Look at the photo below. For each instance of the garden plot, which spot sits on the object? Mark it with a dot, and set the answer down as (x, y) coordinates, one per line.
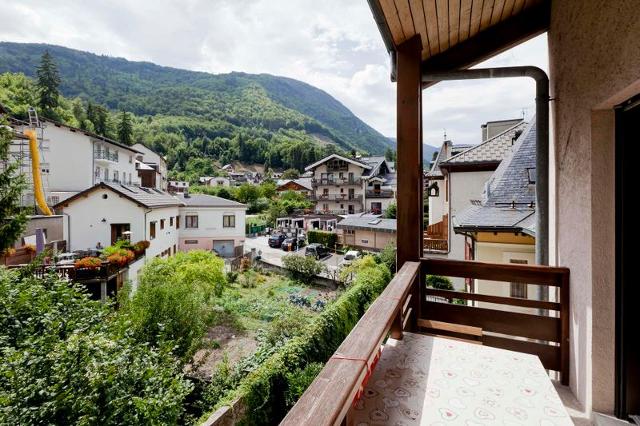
(255, 308)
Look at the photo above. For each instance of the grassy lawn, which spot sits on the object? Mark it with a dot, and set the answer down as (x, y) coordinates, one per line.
(254, 308)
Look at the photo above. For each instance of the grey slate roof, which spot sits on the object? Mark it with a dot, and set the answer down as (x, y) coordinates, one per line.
(149, 197)
(204, 200)
(368, 223)
(491, 150)
(510, 183)
(447, 150)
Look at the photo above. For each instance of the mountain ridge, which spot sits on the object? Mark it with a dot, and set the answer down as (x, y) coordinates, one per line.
(145, 88)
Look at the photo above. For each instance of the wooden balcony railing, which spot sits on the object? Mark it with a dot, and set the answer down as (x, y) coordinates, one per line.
(340, 383)
(439, 230)
(501, 324)
(329, 397)
(435, 245)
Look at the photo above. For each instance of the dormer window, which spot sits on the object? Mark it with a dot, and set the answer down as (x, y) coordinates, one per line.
(433, 190)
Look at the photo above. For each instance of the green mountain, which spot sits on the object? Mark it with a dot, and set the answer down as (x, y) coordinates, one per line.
(201, 104)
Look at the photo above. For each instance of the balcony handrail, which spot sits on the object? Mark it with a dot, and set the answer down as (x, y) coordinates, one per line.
(325, 403)
(548, 335)
(340, 383)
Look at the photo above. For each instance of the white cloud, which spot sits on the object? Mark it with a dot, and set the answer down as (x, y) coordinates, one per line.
(332, 44)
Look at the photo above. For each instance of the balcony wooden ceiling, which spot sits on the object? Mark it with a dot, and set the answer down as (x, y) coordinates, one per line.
(459, 33)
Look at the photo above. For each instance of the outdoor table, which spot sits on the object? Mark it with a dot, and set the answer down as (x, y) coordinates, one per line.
(426, 380)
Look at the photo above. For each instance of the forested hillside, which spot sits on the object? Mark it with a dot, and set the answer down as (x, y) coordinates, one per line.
(178, 110)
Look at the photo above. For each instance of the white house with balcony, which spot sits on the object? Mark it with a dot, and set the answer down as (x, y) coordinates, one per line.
(72, 160)
(211, 223)
(344, 185)
(107, 212)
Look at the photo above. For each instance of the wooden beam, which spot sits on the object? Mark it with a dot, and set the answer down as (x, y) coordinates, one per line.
(409, 128)
(492, 41)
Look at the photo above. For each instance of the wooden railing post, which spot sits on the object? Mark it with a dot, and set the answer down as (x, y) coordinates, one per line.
(409, 128)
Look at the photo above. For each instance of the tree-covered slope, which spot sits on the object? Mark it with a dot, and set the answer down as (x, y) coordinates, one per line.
(264, 102)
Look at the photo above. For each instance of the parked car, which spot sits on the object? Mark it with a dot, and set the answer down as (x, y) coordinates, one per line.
(290, 244)
(349, 257)
(276, 240)
(316, 250)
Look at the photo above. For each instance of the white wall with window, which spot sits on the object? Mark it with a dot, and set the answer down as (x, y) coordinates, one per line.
(212, 228)
(506, 253)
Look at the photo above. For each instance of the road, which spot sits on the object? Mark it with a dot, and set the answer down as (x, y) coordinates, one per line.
(275, 255)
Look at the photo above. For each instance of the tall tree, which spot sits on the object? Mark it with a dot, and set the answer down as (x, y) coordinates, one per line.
(390, 154)
(125, 129)
(12, 218)
(48, 85)
(100, 120)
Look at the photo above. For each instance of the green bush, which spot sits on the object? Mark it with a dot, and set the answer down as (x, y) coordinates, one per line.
(171, 306)
(302, 268)
(441, 283)
(268, 389)
(388, 256)
(327, 239)
(299, 380)
(64, 361)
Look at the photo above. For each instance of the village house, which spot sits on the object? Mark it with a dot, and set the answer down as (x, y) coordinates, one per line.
(366, 232)
(457, 181)
(301, 185)
(211, 223)
(501, 227)
(178, 186)
(343, 185)
(214, 181)
(108, 212)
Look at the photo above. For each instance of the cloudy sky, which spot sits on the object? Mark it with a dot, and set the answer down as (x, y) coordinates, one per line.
(332, 44)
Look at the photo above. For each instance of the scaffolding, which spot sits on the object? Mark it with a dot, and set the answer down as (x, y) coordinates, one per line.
(20, 154)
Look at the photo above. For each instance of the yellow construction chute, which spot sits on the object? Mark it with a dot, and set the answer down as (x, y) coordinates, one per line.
(38, 192)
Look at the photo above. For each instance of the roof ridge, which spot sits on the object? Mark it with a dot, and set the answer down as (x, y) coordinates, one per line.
(478, 146)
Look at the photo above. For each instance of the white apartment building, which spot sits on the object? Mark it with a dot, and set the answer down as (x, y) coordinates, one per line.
(72, 160)
(211, 223)
(107, 212)
(343, 185)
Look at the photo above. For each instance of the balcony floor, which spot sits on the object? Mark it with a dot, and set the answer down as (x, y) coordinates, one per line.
(425, 380)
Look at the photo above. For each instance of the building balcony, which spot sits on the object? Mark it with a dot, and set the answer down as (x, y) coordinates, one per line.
(104, 156)
(379, 193)
(337, 198)
(336, 181)
(435, 238)
(449, 345)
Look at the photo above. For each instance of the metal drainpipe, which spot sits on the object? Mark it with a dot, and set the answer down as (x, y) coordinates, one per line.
(542, 140)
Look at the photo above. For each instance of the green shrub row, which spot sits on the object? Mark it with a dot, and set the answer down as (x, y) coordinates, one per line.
(270, 390)
(328, 239)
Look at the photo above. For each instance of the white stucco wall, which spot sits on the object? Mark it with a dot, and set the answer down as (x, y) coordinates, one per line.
(210, 227)
(594, 58)
(86, 227)
(503, 253)
(463, 187)
(436, 204)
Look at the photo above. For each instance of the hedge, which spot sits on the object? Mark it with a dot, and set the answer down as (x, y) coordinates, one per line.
(265, 392)
(327, 239)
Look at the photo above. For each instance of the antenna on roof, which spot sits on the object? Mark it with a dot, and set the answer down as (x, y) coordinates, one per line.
(445, 134)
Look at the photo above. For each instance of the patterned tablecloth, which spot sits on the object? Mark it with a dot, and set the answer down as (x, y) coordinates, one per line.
(424, 380)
